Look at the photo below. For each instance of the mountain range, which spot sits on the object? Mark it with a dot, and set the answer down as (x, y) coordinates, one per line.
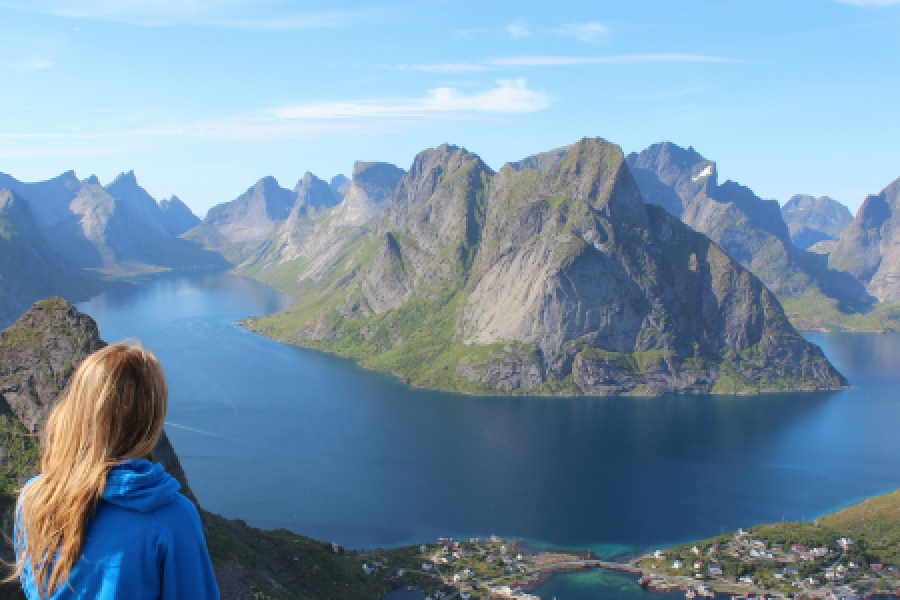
(65, 235)
(549, 276)
(293, 238)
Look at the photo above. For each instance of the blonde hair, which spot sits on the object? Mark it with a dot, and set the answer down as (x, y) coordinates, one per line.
(114, 410)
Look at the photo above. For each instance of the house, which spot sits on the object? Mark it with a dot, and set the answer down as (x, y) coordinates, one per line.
(779, 575)
(742, 532)
(799, 548)
(714, 548)
(845, 542)
(659, 555)
(876, 566)
(695, 550)
(677, 565)
(698, 564)
(820, 551)
(715, 570)
(812, 581)
(735, 554)
(427, 566)
(369, 569)
(792, 571)
(777, 548)
(748, 579)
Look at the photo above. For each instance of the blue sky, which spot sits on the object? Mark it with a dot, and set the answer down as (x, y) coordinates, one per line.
(203, 97)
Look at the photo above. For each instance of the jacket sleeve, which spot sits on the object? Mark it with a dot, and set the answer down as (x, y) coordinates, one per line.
(186, 568)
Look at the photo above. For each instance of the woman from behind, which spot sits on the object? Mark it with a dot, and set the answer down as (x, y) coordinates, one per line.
(102, 521)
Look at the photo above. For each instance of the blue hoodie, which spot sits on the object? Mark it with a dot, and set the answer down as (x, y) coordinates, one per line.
(144, 541)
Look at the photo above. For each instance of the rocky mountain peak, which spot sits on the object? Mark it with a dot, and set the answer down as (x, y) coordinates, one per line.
(339, 184)
(92, 180)
(379, 174)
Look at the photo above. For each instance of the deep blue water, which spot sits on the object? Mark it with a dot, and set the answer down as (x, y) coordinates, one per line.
(287, 437)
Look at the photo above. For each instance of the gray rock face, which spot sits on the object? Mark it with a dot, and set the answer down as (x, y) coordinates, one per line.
(749, 229)
(869, 248)
(557, 273)
(177, 217)
(254, 214)
(368, 194)
(38, 355)
(339, 184)
(812, 220)
(29, 268)
(313, 196)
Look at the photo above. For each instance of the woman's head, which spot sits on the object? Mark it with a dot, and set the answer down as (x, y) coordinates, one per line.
(113, 410)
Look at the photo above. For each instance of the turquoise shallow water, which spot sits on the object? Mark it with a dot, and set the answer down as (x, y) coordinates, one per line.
(287, 437)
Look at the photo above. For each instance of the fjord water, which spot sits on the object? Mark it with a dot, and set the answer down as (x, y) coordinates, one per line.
(282, 436)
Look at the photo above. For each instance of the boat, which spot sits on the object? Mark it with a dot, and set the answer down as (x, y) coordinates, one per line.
(690, 593)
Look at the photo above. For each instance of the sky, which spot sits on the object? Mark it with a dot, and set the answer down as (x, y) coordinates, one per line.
(202, 98)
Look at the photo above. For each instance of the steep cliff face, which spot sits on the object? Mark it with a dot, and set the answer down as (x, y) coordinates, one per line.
(753, 232)
(38, 355)
(176, 216)
(869, 248)
(553, 279)
(368, 193)
(29, 268)
(812, 220)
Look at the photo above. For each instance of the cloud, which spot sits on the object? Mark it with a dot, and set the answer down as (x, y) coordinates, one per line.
(510, 96)
(507, 97)
(443, 68)
(249, 14)
(870, 2)
(493, 64)
(518, 29)
(619, 59)
(37, 63)
(586, 32)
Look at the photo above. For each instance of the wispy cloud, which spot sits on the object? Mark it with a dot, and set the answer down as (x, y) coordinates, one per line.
(510, 96)
(443, 67)
(506, 98)
(586, 32)
(518, 29)
(249, 14)
(562, 61)
(37, 63)
(619, 59)
(870, 2)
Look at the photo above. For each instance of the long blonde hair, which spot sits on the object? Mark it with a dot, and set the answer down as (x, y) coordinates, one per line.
(114, 410)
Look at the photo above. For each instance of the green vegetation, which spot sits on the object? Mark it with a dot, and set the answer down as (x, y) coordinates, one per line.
(815, 310)
(869, 563)
(283, 565)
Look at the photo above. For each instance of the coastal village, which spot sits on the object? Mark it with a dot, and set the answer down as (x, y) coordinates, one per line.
(476, 568)
(786, 560)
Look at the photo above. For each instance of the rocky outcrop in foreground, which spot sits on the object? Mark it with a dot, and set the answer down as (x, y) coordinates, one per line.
(37, 357)
(550, 276)
(39, 354)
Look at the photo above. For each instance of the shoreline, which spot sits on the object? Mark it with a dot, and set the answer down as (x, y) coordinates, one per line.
(405, 380)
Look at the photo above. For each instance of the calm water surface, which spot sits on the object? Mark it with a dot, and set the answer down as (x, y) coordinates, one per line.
(287, 437)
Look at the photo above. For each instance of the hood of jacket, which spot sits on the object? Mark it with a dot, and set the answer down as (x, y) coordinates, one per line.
(140, 485)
